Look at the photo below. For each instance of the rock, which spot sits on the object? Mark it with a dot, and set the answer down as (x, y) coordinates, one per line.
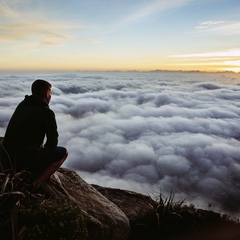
(139, 209)
(107, 221)
(114, 213)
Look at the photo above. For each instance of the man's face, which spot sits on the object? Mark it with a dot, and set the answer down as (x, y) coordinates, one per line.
(49, 95)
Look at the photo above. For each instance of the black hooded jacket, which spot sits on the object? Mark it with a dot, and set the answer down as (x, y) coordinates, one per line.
(31, 122)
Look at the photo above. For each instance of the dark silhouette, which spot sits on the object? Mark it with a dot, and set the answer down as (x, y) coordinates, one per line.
(31, 123)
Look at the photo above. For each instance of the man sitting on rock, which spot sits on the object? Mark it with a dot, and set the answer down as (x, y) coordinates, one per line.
(31, 122)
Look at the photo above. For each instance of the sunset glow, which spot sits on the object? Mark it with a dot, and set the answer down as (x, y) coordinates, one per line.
(120, 35)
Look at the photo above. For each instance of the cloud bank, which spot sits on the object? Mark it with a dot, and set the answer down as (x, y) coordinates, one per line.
(147, 132)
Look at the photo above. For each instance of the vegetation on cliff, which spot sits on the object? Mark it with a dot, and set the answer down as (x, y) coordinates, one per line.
(26, 213)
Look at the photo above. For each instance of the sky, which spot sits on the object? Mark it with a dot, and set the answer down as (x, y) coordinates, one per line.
(147, 132)
(120, 35)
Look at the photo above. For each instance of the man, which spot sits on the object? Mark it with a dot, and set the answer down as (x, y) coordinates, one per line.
(31, 122)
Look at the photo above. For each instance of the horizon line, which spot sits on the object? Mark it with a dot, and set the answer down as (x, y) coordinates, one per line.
(116, 70)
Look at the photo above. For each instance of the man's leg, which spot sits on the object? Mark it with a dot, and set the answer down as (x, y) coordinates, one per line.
(49, 170)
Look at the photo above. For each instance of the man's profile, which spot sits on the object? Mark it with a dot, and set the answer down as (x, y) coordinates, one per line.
(30, 124)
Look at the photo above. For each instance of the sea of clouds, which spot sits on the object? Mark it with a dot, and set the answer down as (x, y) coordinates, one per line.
(150, 132)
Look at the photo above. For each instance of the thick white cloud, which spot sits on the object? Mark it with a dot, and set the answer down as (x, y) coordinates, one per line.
(148, 132)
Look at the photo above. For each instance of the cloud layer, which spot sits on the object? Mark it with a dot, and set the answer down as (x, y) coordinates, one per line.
(147, 132)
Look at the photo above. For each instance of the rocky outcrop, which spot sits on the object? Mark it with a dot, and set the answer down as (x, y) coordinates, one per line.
(106, 220)
(139, 209)
(113, 213)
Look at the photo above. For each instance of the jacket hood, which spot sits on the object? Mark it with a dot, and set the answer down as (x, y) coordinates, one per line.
(34, 99)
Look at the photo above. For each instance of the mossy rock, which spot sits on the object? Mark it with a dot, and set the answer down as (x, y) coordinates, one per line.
(53, 220)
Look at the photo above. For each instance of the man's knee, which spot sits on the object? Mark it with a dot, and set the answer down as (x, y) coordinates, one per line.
(61, 153)
(63, 157)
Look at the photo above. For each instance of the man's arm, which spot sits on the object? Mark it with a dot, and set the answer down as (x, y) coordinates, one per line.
(51, 130)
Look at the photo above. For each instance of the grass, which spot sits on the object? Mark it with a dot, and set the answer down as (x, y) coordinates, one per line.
(26, 214)
(14, 189)
(179, 219)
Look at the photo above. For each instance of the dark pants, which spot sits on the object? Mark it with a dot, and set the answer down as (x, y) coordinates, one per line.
(37, 161)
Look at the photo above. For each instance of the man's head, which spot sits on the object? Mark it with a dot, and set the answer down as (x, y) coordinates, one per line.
(42, 88)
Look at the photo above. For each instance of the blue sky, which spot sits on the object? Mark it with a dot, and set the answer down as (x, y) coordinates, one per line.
(120, 35)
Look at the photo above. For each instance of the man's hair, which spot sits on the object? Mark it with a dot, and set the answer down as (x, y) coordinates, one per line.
(40, 87)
